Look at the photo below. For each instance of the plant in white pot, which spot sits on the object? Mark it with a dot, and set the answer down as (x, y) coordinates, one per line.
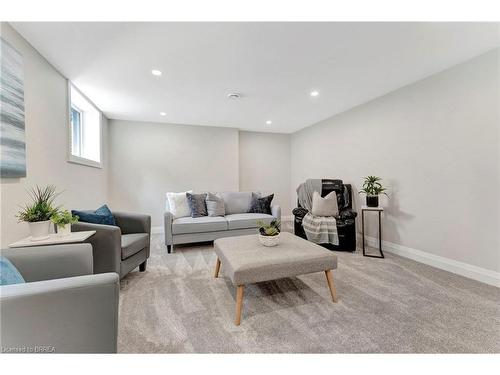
(63, 220)
(38, 213)
(372, 188)
(269, 234)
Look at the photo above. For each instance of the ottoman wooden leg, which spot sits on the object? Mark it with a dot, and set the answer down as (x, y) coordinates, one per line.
(239, 303)
(217, 268)
(331, 285)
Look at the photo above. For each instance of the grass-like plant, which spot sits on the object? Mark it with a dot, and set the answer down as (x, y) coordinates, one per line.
(372, 186)
(41, 207)
(63, 218)
(271, 229)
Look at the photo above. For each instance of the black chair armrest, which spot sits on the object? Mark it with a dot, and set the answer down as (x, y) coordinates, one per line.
(346, 217)
(299, 212)
(347, 214)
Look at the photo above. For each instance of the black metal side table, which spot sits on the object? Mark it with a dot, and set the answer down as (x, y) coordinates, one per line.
(379, 210)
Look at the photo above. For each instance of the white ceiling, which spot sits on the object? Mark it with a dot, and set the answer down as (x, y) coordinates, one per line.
(273, 65)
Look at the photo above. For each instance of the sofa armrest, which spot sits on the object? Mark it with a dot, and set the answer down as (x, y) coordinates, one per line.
(168, 218)
(106, 246)
(132, 222)
(71, 315)
(39, 263)
(276, 212)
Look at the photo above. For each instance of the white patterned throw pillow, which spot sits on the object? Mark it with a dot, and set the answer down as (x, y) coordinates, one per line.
(326, 206)
(178, 204)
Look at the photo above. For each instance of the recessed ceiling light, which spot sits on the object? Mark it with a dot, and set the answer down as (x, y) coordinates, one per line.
(269, 122)
(163, 114)
(234, 95)
(156, 72)
(314, 93)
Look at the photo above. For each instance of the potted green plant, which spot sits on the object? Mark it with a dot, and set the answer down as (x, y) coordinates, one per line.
(372, 187)
(38, 212)
(269, 234)
(63, 220)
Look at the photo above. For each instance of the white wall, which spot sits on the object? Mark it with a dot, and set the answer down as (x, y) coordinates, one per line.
(47, 128)
(149, 159)
(265, 166)
(436, 144)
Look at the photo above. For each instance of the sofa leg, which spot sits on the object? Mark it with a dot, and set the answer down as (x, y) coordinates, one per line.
(169, 249)
(142, 266)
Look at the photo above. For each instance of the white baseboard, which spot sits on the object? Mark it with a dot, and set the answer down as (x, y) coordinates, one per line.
(460, 268)
(157, 230)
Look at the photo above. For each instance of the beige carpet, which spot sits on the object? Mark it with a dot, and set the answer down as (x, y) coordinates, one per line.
(385, 305)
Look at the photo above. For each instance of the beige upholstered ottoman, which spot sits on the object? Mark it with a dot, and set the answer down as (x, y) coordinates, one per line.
(246, 261)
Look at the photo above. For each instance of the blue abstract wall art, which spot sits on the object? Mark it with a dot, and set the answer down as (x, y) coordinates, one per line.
(12, 133)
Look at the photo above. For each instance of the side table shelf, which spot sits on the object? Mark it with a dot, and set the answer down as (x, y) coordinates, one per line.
(54, 239)
(379, 210)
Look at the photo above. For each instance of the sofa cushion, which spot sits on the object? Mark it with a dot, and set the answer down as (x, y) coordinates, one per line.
(184, 225)
(237, 202)
(133, 243)
(247, 220)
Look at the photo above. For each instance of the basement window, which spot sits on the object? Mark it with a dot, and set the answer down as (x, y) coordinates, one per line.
(84, 130)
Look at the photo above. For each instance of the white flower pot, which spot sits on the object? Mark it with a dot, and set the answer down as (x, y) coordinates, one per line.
(269, 241)
(40, 230)
(63, 230)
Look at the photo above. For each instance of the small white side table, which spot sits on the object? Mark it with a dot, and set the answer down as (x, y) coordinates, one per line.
(379, 210)
(54, 239)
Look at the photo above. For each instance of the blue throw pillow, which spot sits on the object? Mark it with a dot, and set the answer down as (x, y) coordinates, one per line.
(102, 215)
(9, 273)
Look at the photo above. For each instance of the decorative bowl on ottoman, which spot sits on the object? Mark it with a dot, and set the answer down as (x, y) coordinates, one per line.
(269, 234)
(269, 241)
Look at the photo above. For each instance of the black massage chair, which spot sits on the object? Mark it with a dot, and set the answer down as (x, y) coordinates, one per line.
(346, 223)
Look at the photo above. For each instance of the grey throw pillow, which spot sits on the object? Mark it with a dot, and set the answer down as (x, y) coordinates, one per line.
(261, 205)
(326, 206)
(197, 204)
(215, 205)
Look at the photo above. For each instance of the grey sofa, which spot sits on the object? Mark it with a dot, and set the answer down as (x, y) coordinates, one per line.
(236, 222)
(119, 248)
(62, 307)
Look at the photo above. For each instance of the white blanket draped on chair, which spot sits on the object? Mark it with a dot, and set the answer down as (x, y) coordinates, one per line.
(318, 229)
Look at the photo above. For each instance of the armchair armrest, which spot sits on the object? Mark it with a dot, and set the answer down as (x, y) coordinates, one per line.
(346, 217)
(106, 246)
(347, 214)
(168, 218)
(71, 315)
(132, 222)
(299, 213)
(39, 263)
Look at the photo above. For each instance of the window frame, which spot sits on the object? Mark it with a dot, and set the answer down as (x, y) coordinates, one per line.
(80, 145)
(78, 159)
